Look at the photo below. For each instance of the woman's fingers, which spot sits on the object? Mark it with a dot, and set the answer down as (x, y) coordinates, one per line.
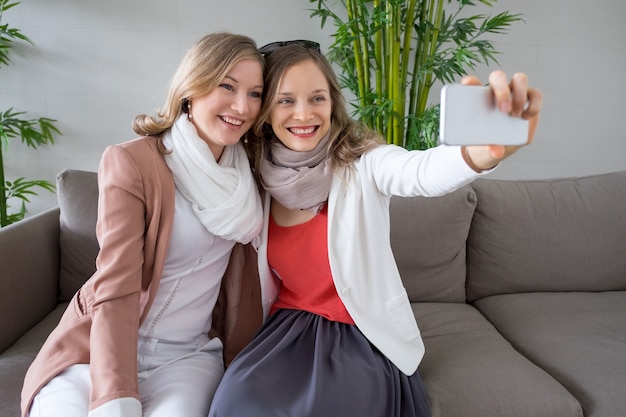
(519, 89)
(501, 90)
(535, 102)
(470, 80)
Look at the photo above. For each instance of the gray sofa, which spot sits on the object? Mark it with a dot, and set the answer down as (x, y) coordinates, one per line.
(519, 289)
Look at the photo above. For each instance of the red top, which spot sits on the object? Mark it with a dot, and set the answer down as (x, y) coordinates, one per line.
(299, 256)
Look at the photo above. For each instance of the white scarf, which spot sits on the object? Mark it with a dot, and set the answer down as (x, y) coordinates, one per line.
(223, 195)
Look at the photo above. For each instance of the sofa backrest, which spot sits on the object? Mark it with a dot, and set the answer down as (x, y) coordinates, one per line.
(490, 237)
(29, 267)
(428, 238)
(548, 235)
(77, 192)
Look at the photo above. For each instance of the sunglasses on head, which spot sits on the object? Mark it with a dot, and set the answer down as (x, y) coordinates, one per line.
(266, 50)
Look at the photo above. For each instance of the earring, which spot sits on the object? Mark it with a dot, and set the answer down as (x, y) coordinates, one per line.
(187, 108)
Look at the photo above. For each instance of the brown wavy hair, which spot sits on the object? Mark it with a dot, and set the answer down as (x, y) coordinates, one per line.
(349, 138)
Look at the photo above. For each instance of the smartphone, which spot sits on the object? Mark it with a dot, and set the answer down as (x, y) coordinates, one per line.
(469, 116)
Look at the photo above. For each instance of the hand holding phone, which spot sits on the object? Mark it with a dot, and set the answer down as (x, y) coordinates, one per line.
(469, 116)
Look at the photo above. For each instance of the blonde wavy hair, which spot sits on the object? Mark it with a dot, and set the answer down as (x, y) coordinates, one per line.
(202, 69)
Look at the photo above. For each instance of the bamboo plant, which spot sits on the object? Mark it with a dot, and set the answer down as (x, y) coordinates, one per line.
(33, 132)
(391, 52)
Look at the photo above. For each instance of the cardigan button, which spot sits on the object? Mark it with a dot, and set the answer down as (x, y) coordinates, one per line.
(345, 291)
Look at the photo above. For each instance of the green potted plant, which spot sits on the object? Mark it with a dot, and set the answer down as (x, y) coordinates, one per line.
(391, 52)
(32, 132)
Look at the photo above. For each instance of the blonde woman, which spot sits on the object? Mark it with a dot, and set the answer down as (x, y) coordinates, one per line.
(176, 206)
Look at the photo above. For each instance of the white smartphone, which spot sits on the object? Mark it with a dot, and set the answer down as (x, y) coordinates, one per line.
(469, 116)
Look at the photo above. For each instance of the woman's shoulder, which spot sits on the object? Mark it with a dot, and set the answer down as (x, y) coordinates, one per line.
(142, 155)
(140, 144)
(139, 149)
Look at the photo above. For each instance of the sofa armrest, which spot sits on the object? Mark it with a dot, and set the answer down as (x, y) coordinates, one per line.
(29, 281)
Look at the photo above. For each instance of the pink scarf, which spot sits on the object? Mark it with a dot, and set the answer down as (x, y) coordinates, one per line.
(297, 180)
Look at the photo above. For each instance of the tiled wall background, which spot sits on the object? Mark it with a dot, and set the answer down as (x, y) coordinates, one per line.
(98, 63)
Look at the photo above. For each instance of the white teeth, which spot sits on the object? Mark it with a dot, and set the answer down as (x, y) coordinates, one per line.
(299, 131)
(232, 121)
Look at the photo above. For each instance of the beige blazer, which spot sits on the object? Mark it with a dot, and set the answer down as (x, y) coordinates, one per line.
(100, 325)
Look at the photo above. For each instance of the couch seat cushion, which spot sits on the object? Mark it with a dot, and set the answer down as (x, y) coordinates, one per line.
(14, 362)
(579, 338)
(470, 370)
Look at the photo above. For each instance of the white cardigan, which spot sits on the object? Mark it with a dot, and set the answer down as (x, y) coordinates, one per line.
(361, 260)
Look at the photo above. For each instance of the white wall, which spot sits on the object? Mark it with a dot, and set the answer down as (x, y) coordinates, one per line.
(98, 63)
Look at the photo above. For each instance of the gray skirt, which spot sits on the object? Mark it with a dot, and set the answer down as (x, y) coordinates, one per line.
(301, 364)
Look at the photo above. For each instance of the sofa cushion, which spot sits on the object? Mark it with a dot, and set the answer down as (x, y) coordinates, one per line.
(29, 277)
(470, 370)
(579, 338)
(428, 237)
(548, 235)
(77, 192)
(14, 362)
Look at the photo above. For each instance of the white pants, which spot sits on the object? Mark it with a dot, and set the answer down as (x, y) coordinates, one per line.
(168, 387)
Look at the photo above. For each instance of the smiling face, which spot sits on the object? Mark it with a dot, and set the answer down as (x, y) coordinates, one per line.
(300, 116)
(223, 115)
